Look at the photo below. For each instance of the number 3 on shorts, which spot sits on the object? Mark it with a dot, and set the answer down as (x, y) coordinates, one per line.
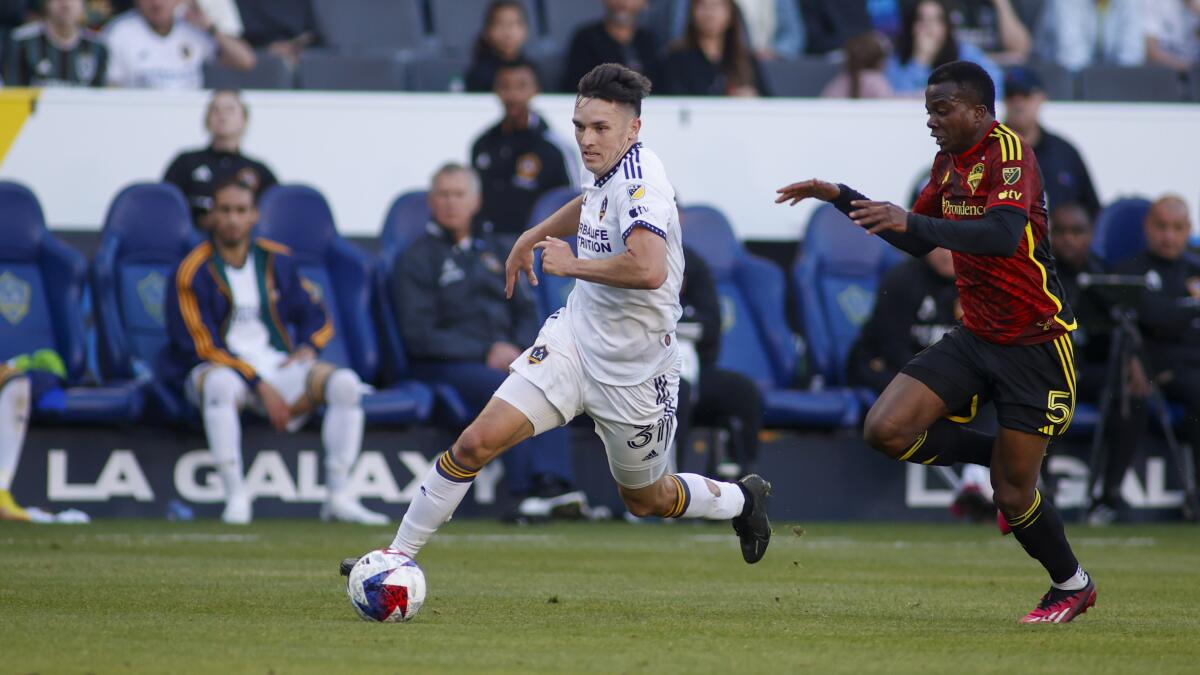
(1058, 406)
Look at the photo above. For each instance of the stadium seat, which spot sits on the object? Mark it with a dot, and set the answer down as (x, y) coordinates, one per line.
(805, 77)
(382, 26)
(41, 291)
(1119, 229)
(551, 292)
(405, 221)
(321, 69)
(1058, 82)
(147, 231)
(1123, 83)
(437, 73)
(456, 23)
(836, 279)
(756, 339)
(341, 275)
(564, 18)
(269, 72)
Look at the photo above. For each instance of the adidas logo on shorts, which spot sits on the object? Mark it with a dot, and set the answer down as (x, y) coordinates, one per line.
(650, 456)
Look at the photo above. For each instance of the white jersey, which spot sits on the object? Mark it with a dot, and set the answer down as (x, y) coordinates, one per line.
(140, 57)
(624, 336)
(247, 336)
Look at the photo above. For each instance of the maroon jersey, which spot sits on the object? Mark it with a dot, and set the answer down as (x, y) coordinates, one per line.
(1010, 301)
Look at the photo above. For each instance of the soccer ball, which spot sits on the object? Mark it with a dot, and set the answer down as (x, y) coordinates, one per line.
(386, 585)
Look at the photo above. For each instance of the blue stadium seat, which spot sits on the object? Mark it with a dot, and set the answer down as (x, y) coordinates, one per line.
(564, 17)
(836, 279)
(330, 71)
(147, 231)
(552, 292)
(756, 340)
(269, 72)
(437, 73)
(299, 217)
(406, 220)
(41, 291)
(380, 26)
(1119, 229)
(805, 77)
(456, 23)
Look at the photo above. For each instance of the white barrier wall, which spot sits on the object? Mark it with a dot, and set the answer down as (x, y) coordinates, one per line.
(79, 148)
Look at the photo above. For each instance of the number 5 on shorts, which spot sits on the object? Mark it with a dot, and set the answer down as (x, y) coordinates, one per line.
(1058, 405)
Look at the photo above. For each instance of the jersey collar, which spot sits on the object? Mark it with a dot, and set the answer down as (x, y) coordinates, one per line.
(983, 140)
(601, 180)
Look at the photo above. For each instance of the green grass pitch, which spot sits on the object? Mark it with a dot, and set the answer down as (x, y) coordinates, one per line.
(157, 597)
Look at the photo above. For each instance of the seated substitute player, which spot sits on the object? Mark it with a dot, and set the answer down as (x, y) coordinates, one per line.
(15, 402)
(237, 302)
(611, 352)
(983, 202)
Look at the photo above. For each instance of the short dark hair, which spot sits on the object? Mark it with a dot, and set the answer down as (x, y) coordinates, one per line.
(234, 181)
(519, 64)
(615, 83)
(969, 76)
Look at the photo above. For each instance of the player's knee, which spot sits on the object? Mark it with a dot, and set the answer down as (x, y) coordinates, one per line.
(640, 506)
(474, 449)
(1012, 499)
(885, 433)
(343, 388)
(222, 387)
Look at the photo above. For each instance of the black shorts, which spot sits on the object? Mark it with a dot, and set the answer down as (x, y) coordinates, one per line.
(1033, 386)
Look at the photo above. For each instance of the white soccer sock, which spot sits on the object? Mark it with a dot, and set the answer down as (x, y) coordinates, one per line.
(700, 497)
(441, 492)
(342, 429)
(14, 420)
(223, 393)
(1075, 583)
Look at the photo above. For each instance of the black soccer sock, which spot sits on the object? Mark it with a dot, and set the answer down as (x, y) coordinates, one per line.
(1040, 531)
(947, 443)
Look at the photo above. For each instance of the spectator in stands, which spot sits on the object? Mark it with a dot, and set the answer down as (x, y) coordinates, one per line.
(927, 41)
(195, 172)
(1172, 33)
(1078, 33)
(862, 74)
(459, 329)
(774, 27)
(224, 15)
(284, 28)
(502, 41)
(518, 159)
(57, 51)
(1000, 28)
(1064, 173)
(917, 299)
(1169, 316)
(152, 47)
(829, 23)
(713, 58)
(706, 391)
(615, 39)
(15, 402)
(226, 353)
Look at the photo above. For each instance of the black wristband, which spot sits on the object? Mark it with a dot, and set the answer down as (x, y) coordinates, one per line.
(846, 194)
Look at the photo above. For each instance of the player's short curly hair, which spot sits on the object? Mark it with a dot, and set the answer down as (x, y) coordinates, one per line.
(969, 76)
(615, 83)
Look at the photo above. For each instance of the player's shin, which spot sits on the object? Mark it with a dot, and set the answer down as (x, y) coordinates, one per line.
(14, 420)
(342, 429)
(700, 497)
(946, 443)
(441, 492)
(1040, 531)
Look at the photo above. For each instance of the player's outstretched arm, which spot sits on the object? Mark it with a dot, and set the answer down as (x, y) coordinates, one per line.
(842, 197)
(642, 266)
(562, 223)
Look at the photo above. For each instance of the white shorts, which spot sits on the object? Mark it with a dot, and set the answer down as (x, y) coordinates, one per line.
(636, 423)
(291, 381)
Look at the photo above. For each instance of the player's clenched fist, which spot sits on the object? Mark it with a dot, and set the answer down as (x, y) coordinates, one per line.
(557, 257)
(819, 189)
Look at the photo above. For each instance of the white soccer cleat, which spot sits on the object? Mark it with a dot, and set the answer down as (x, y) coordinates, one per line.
(238, 509)
(350, 510)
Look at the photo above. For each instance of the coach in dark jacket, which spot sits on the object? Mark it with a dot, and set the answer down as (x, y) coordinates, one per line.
(459, 329)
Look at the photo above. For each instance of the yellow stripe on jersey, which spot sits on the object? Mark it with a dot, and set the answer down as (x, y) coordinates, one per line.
(1015, 139)
(1045, 280)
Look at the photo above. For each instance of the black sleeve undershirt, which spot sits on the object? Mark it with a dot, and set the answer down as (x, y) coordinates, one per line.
(997, 233)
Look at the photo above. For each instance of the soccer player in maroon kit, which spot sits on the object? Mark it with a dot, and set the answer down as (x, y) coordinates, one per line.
(984, 201)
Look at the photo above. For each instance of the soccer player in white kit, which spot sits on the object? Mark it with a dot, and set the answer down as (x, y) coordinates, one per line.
(611, 352)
